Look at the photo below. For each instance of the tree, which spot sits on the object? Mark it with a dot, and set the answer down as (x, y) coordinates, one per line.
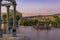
(57, 20)
(4, 21)
(18, 16)
(28, 22)
(4, 17)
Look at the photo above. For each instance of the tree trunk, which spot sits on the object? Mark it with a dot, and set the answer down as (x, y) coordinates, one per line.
(4, 28)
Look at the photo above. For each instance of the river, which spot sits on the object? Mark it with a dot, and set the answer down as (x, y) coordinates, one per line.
(31, 33)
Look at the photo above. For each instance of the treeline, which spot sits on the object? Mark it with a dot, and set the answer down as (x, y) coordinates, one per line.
(28, 22)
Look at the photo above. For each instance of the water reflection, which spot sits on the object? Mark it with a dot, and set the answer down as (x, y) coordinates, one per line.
(34, 34)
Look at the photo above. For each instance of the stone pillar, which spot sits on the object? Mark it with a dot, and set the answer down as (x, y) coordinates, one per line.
(8, 20)
(14, 22)
(0, 20)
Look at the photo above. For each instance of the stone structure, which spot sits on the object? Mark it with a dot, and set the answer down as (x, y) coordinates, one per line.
(13, 3)
(9, 36)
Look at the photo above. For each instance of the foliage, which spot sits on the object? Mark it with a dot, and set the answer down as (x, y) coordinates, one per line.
(57, 21)
(4, 17)
(27, 22)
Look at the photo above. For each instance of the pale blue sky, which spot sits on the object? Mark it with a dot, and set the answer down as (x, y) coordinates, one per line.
(38, 7)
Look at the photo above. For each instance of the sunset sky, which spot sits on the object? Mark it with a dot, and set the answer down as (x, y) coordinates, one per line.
(38, 7)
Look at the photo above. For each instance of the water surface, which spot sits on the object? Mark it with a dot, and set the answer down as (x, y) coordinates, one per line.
(34, 34)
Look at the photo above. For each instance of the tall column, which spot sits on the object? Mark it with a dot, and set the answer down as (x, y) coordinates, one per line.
(8, 20)
(0, 20)
(14, 21)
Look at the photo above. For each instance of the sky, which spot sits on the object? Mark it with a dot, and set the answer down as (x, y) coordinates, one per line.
(38, 7)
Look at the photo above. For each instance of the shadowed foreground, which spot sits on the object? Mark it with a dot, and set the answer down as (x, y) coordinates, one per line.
(33, 34)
